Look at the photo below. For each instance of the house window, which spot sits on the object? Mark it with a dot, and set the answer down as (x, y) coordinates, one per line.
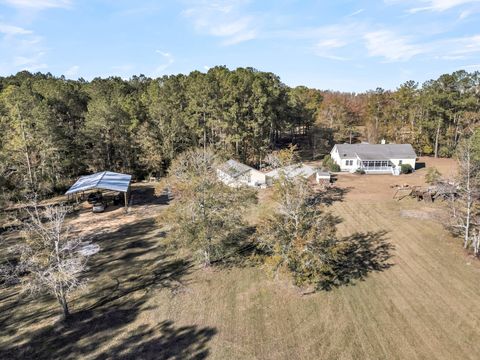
(399, 162)
(349, 162)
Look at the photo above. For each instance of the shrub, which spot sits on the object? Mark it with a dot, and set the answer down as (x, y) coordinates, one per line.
(444, 152)
(427, 149)
(334, 167)
(360, 171)
(406, 168)
(330, 164)
(432, 176)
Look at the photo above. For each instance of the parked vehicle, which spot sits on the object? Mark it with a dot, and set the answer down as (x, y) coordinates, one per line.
(98, 207)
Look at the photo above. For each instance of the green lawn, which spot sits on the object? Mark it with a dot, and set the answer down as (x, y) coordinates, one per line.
(144, 302)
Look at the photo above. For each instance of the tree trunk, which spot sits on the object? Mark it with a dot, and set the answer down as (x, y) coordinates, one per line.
(27, 154)
(469, 202)
(437, 135)
(64, 305)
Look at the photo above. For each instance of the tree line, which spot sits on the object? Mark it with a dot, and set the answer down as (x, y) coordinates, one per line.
(434, 117)
(53, 129)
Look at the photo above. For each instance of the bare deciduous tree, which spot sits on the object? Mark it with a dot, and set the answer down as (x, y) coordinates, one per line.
(51, 259)
(465, 196)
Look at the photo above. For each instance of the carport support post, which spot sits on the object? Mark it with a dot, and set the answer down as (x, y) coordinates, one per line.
(127, 196)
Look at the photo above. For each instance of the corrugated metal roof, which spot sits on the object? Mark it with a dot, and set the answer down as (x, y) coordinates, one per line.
(292, 171)
(235, 168)
(106, 180)
(376, 151)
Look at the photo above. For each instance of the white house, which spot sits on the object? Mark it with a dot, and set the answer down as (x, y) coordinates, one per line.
(373, 158)
(235, 174)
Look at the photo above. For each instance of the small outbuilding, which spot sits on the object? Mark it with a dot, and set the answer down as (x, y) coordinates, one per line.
(292, 171)
(105, 180)
(235, 174)
(323, 176)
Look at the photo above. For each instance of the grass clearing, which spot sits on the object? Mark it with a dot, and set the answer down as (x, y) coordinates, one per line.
(148, 302)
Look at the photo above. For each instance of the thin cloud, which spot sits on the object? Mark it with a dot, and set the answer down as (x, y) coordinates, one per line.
(30, 63)
(168, 60)
(438, 5)
(325, 49)
(38, 4)
(225, 19)
(356, 13)
(390, 46)
(23, 49)
(13, 30)
(72, 71)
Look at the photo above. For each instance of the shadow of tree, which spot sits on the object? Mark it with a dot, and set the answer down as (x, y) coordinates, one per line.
(87, 331)
(184, 342)
(131, 264)
(361, 254)
(84, 332)
(331, 195)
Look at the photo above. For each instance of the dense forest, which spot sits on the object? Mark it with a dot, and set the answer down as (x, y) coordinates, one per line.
(53, 129)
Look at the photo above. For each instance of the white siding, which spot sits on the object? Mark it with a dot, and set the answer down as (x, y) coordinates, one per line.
(252, 178)
(257, 178)
(343, 162)
(335, 156)
(396, 162)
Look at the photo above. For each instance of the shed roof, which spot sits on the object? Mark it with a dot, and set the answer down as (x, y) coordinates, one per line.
(234, 168)
(292, 171)
(106, 180)
(376, 151)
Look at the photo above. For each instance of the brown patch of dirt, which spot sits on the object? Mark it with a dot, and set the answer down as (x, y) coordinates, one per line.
(143, 204)
(372, 188)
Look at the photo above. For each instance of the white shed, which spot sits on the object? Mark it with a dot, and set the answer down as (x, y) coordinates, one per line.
(234, 173)
(323, 176)
(292, 171)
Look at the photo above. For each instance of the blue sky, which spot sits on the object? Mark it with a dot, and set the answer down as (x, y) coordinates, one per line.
(340, 45)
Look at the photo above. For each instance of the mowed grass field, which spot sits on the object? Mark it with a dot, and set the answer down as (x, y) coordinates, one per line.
(146, 302)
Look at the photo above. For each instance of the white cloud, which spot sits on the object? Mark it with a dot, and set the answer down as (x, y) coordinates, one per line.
(440, 5)
(168, 60)
(325, 48)
(392, 47)
(72, 71)
(38, 4)
(13, 30)
(224, 19)
(31, 63)
(356, 13)
(22, 49)
(471, 67)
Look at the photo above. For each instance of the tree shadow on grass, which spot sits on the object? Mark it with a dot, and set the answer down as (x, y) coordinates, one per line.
(130, 265)
(184, 342)
(362, 253)
(87, 331)
(331, 195)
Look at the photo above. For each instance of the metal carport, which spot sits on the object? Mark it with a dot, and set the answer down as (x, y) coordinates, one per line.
(105, 180)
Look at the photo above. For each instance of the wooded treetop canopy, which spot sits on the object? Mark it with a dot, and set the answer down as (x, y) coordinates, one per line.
(106, 180)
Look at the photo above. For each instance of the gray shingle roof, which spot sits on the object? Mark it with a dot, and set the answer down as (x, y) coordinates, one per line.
(234, 168)
(376, 151)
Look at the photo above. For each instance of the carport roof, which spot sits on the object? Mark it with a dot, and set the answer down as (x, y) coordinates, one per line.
(105, 180)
